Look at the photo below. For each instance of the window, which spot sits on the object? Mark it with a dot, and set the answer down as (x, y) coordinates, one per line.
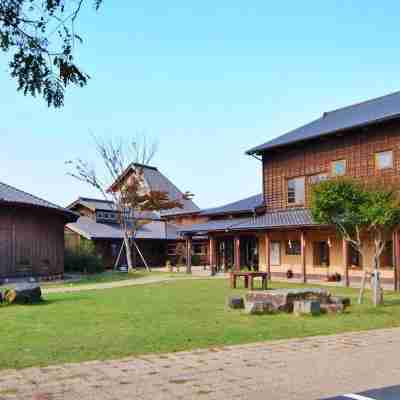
(384, 160)
(354, 257)
(295, 191)
(275, 253)
(199, 249)
(338, 167)
(171, 250)
(386, 258)
(321, 253)
(317, 178)
(293, 247)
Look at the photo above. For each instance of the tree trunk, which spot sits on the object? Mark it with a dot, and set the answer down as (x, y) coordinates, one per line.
(23, 293)
(128, 252)
(362, 288)
(377, 298)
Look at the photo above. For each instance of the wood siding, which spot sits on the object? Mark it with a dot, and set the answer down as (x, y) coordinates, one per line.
(31, 242)
(358, 148)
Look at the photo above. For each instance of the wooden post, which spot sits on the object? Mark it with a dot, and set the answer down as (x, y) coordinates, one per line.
(236, 252)
(211, 251)
(303, 255)
(268, 254)
(396, 256)
(345, 255)
(189, 255)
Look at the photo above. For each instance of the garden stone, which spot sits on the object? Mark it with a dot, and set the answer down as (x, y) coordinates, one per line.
(332, 308)
(235, 302)
(307, 307)
(345, 301)
(283, 299)
(259, 308)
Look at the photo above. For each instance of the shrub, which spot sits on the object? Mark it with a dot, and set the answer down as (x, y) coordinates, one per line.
(83, 259)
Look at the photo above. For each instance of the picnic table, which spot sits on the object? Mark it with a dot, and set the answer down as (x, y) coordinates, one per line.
(249, 279)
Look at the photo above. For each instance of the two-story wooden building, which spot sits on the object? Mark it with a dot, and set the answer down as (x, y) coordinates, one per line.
(360, 141)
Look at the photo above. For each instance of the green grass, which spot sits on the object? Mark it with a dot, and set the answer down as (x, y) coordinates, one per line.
(179, 315)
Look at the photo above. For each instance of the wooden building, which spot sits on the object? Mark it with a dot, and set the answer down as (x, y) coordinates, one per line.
(361, 141)
(31, 235)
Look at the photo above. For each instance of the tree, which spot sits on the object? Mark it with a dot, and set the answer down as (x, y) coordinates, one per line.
(361, 213)
(130, 194)
(40, 37)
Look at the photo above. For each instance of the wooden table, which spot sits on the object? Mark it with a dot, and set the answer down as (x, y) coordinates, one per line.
(249, 279)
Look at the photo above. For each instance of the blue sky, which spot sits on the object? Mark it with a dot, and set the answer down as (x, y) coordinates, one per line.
(206, 81)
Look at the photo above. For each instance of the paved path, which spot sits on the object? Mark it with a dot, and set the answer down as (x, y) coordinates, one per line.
(286, 370)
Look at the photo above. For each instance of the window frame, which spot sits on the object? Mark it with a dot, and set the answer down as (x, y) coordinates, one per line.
(334, 162)
(296, 202)
(376, 157)
(288, 249)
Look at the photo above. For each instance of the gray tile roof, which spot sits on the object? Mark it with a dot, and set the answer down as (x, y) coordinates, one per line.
(106, 205)
(357, 115)
(91, 229)
(155, 180)
(245, 205)
(213, 226)
(12, 195)
(278, 219)
(270, 220)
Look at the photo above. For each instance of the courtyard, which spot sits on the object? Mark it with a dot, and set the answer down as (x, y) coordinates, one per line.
(165, 317)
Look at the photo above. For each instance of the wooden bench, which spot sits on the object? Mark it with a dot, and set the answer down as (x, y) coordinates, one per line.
(249, 279)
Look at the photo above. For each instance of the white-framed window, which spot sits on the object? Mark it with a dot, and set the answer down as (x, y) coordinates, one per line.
(296, 190)
(317, 178)
(338, 167)
(384, 159)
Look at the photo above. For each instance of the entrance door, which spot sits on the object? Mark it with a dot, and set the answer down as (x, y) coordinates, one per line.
(275, 253)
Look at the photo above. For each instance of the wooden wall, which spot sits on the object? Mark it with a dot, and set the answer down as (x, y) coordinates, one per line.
(358, 148)
(31, 242)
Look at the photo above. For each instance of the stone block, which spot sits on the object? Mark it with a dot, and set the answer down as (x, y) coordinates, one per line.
(332, 308)
(345, 301)
(235, 302)
(259, 307)
(307, 307)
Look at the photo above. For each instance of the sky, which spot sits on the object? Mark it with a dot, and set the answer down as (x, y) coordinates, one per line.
(207, 81)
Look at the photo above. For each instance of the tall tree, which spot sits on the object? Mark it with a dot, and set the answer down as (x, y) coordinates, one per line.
(40, 37)
(362, 214)
(130, 194)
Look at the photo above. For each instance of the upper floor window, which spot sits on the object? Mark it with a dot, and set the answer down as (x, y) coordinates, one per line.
(296, 191)
(317, 178)
(384, 159)
(338, 167)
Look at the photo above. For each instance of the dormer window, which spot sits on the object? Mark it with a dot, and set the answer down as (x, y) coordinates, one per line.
(338, 167)
(384, 160)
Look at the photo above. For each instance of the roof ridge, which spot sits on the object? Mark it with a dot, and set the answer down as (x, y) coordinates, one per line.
(360, 103)
(32, 195)
(136, 164)
(94, 199)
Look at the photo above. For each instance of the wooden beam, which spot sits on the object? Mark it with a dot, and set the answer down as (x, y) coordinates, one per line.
(268, 254)
(303, 255)
(345, 261)
(211, 251)
(236, 252)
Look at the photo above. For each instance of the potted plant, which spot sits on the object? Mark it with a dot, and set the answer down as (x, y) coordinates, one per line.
(289, 274)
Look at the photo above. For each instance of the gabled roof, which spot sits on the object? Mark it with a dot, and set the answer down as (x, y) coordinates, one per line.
(271, 220)
(246, 205)
(155, 180)
(13, 196)
(107, 205)
(380, 109)
(91, 229)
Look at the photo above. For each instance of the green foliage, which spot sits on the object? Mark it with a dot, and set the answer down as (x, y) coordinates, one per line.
(348, 205)
(40, 37)
(84, 259)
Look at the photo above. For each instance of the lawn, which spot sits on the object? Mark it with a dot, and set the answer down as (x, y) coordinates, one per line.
(173, 316)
